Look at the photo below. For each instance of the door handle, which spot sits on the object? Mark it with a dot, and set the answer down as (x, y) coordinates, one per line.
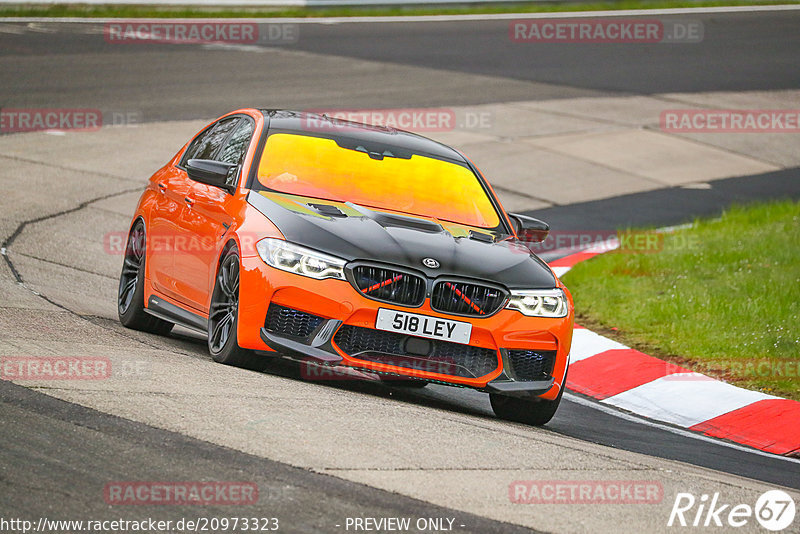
(189, 201)
(162, 187)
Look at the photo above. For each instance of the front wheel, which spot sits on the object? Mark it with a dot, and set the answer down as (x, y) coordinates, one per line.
(223, 317)
(535, 412)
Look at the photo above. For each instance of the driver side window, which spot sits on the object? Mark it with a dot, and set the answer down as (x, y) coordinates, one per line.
(206, 145)
(235, 148)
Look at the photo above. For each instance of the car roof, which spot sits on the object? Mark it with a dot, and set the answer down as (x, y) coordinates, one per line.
(321, 125)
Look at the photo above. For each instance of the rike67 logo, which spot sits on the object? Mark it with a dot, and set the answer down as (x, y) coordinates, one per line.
(774, 510)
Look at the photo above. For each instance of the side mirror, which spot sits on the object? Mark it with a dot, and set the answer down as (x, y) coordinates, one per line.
(528, 229)
(214, 173)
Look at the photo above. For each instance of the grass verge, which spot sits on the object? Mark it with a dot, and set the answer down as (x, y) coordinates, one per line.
(721, 297)
(151, 11)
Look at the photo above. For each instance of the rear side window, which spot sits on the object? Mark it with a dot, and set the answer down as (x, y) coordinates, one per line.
(235, 147)
(206, 145)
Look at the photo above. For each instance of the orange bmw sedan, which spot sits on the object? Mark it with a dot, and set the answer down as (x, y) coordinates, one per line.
(289, 234)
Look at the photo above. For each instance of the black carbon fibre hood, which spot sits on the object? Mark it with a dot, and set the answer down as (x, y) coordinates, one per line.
(356, 233)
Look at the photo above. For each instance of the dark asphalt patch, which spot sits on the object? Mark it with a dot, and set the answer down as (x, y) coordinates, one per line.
(57, 458)
(673, 205)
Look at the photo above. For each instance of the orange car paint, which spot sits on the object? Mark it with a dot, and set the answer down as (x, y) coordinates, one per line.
(166, 217)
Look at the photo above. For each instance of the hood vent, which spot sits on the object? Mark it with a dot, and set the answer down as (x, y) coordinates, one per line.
(398, 221)
(480, 236)
(388, 220)
(327, 209)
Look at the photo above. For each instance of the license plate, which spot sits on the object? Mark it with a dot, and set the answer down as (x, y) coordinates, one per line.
(423, 326)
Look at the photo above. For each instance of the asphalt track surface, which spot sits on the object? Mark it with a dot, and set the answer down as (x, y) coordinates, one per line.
(449, 64)
(452, 63)
(731, 57)
(69, 452)
(671, 206)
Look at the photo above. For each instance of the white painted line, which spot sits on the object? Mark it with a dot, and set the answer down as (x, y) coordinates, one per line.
(594, 248)
(675, 228)
(586, 344)
(561, 271)
(605, 246)
(570, 397)
(438, 18)
(238, 47)
(685, 399)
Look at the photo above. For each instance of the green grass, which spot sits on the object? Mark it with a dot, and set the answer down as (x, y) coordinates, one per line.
(722, 297)
(149, 11)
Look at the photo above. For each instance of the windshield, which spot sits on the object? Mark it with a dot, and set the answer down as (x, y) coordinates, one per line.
(418, 185)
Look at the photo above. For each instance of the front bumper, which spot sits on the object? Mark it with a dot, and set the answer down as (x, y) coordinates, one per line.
(338, 304)
(320, 349)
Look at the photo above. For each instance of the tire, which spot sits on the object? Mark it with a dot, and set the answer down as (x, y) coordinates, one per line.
(130, 296)
(535, 412)
(223, 316)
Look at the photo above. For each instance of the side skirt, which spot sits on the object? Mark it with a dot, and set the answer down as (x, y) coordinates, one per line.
(167, 311)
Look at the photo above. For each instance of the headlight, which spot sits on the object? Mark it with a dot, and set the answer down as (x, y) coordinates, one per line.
(299, 260)
(539, 302)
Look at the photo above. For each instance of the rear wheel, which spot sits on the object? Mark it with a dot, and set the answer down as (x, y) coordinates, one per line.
(130, 297)
(223, 317)
(528, 411)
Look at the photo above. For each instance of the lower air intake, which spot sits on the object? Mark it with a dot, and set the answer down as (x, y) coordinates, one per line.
(529, 365)
(290, 322)
(428, 355)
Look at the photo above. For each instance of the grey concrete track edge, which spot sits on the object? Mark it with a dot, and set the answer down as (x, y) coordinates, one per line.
(438, 18)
